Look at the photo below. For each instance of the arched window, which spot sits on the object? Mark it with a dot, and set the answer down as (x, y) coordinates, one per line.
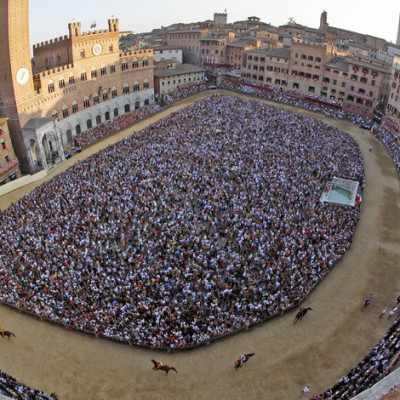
(137, 104)
(127, 108)
(125, 89)
(93, 73)
(136, 86)
(89, 123)
(83, 76)
(50, 86)
(124, 65)
(145, 62)
(96, 98)
(65, 111)
(54, 114)
(112, 68)
(105, 95)
(61, 83)
(78, 129)
(145, 84)
(135, 63)
(98, 119)
(114, 92)
(74, 107)
(86, 102)
(115, 112)
(103, 70)
(146, 102)
(107, 115)
(71, 78)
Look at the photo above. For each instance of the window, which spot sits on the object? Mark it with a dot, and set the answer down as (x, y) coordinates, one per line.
(103, 70)
(74, 107)
(78, 129)
(115, 112)
(127, 108)
(82, 53)
(65, 111)
(107, 115)
(50, 87)
(105, 95)
(135, 64)
(124, 65)
(112, 68)
(71, 80)
(136, 86)
(317, 59)
(83, 76)
(363, 79)
(145, 62)
(146, 84)
(93, 73)
(110, 48)
(343, 84)
(54, 114)
(96, 98)
(86, 102)
(334, 82)
(113, 92)
(125, 89)
(373, 82)
(89, 123)
(98, 119)
(61, 83)
(354, 77)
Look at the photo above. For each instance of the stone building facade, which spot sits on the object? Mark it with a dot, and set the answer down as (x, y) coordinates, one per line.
(81, 80)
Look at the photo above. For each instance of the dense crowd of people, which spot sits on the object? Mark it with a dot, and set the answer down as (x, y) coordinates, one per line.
(375, 366)
(180, 93)
(294, 99)
(184, 287)
(13, 389)
(107, 128)
(207, 222)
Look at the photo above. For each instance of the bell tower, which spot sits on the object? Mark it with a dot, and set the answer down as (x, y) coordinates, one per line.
(16, 80)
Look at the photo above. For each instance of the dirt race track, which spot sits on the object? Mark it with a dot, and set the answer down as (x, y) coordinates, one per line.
(317, 351)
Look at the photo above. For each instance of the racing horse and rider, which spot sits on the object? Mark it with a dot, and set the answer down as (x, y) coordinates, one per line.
(301, 313)
(242, 359)
(159, 366)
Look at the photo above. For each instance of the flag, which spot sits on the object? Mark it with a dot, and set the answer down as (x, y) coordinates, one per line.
(93, 25)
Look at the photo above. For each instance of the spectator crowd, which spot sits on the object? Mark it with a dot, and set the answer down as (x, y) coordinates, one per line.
(207, 222)
(13, 389)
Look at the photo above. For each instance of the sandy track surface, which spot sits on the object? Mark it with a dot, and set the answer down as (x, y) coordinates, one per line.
(317, 351)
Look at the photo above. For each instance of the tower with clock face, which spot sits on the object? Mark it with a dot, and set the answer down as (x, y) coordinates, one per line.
(16, 80)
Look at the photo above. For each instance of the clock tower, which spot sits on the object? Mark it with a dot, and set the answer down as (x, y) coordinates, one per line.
(16, 80)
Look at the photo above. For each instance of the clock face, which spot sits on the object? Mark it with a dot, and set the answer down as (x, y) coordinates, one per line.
(22, 76)
(97, 49)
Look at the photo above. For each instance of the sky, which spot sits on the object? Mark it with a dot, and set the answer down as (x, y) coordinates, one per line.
(50, 18)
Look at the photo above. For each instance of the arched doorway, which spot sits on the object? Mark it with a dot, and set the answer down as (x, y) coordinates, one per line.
(107, 115)
(35, 153)
(69, 137)
(50, 147)
(146, 102)
(127, 108)
(89, 123)
(115, 112)
(137, 104)
(98, 119)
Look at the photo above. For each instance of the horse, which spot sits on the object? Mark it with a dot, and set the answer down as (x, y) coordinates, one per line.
(242, 359)
(367, 301)
(159, 366)
(301, 313)
(4, 333)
